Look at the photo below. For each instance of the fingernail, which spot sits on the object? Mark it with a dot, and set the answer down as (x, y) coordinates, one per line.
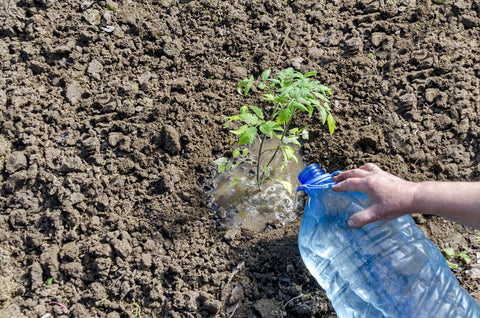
(351, 223)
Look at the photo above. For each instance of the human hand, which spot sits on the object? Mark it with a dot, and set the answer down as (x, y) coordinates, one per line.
(390, 196)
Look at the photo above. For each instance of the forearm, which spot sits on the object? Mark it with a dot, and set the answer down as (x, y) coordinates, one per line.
(458, 201)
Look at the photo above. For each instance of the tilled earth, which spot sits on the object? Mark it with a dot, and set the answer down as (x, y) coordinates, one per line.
(111, 116)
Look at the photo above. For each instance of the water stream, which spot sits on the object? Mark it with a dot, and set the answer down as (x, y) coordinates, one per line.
(246, 205)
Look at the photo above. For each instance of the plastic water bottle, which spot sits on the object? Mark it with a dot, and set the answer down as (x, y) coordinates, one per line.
(383, 269)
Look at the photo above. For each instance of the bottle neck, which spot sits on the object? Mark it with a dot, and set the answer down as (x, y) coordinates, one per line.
(315, 178)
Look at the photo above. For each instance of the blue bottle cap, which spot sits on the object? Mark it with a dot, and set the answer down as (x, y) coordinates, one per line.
(310, 173)
(313, 178)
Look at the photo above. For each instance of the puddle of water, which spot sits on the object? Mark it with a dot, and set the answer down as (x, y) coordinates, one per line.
(245, 205)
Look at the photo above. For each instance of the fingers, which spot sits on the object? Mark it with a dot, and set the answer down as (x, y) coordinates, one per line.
(353, 185)
(370, 167)
(357, 173)
(364, 217)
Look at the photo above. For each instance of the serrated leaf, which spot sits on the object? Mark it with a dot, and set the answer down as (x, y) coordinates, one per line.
(284, 116)
(257, 110)
(221, 164)
(323, 114)
(248, 136)
(234, 182)
(240, 130)
(244, 110)
(250, 119)
(265, 75)
(268, 127)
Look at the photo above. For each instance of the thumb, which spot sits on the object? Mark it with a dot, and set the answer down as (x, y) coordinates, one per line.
(364, 217)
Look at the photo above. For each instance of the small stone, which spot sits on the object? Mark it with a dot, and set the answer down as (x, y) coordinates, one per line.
(5, 146)
(71, 164)
(85, 5)
(171, 140)
(239, 72)
(408, 100)
(297, 63)
(266, 308)
(36, 275)
(146, 260)
(290, 268)
(73, 269)
(469, 21)
(316, 53)
(236, 295)
(77, 197)
(114, 138)
(15, 161)
(94, 69)
(377, 38)
(93, 17)
(353, 46)
(121, 247)
(73, 92)
(232, 233)
(431, 94)
(91, 145)
(38, 67)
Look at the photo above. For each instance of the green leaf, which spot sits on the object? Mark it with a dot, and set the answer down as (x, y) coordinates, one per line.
(284, 116)
(286, 185)
(268, 127)
(300, 106)
(310, 74)
(288, 154)
(293, 131)
(291, 140)
(250, 119)
(268, 97)
(49, 281)
(221, 164)
(464, 256)
(331, 124)
(304, 134)
(240, 130)
(236, 153)
(262, 86)
(245, 152)
(323, 114)
(248, 136)
(234, 182)
(230, 119)
(265, 75)
(249, 85)
(449, 252)
(257, 111)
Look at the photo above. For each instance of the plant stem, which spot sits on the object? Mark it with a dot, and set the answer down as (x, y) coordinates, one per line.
(260, 159)
(276, 149)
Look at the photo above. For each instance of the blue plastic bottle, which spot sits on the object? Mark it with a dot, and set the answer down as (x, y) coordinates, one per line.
(383, 269)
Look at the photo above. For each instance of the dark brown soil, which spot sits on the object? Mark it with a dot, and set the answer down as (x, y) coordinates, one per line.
(111, 117)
